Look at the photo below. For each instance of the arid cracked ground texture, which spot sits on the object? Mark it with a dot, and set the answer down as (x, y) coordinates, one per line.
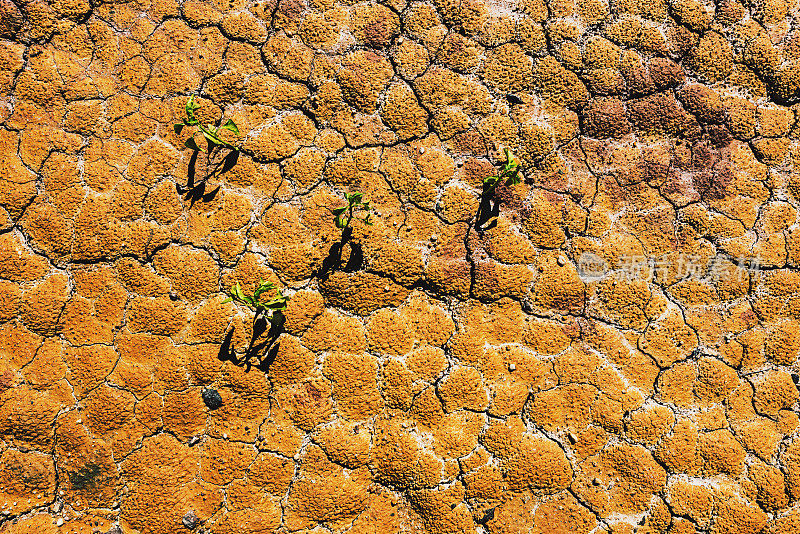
(451, 380)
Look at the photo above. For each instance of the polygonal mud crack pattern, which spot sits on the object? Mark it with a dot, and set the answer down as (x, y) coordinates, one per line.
(456, 380)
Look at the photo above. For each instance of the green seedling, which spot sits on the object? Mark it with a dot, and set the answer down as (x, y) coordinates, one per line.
(275, 304)
(488, 209)
(213, 150)
(268, 319)
(359, 209)
(209, 131)
(509, 174)
(346, 214)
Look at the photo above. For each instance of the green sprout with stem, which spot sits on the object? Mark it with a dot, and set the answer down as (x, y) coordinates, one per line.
(268, 318)
(346, 214)
(209, 131)
(488, 209)
(275, 304)
(214, 143)
(508, 175)
(355, 209)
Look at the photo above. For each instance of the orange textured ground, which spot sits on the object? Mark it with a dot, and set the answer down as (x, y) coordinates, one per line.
(455, 380)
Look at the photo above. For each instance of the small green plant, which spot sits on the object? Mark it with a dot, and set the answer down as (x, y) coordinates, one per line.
(209, 131)
(509, 174)
(489, 209)
(268, 318)
(275, 304)
(346, 214)
(214, 147)
(359, 209)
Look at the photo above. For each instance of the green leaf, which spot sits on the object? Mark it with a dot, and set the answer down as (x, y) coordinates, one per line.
(191, 107)
(212, 139)
(262, 288)
(230, 125)
(191, 143)
(339, 211)
(236, 291)
(278, 304)
(178, 127)
(354, 198)
(229, 299)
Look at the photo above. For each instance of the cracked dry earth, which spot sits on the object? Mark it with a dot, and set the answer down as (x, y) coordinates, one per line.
(455, 381)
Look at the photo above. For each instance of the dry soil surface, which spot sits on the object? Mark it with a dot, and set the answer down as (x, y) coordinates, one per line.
(614, 353)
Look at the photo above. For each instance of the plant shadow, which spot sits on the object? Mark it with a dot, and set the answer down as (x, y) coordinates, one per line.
(488, 210)
(259, 354)
(197, 191)
(333, 261)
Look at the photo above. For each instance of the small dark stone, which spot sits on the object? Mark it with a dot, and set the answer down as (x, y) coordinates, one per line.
(514, 99)
(527, 306)
(212, 398)
(795, 378)
(190, 520)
